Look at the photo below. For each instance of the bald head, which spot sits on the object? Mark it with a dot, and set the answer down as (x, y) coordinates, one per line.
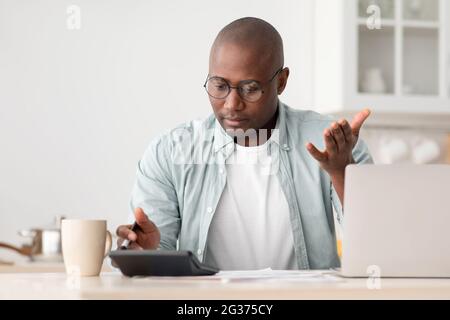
(250, 51)
(254, 35)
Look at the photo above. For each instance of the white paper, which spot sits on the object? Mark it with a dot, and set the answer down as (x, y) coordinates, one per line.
(275, 275)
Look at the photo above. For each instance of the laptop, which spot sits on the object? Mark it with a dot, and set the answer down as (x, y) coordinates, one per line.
(396, 221)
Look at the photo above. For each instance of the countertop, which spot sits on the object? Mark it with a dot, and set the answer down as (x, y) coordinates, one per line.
(112, 285)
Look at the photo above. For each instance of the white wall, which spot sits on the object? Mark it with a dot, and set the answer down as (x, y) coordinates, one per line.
(78, 107)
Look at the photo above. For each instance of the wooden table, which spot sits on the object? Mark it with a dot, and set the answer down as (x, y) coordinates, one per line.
(112, 285)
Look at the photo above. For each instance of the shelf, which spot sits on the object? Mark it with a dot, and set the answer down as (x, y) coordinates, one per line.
(389, 104)
(403, 23)
(392, 95)
(402, 120)
(384, 22)
(420, 24)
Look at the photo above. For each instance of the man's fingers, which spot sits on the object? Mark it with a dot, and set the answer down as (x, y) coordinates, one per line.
(134, 246)
(120, 242)
(338, 135)
(358, 121)
(345, 126)
(330, 143)
(318, 155)
(125, 232)
(146, 225)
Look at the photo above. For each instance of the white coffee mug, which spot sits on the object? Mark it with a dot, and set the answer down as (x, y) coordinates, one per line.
(85, 244)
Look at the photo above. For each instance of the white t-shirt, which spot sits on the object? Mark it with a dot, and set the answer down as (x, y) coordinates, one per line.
(251, 228)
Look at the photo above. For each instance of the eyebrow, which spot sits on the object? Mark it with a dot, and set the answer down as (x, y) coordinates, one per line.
(240, 81)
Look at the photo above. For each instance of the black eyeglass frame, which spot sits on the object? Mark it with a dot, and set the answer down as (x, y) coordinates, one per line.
(230, 87)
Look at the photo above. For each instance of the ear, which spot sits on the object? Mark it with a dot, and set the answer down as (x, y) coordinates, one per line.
(282, 80)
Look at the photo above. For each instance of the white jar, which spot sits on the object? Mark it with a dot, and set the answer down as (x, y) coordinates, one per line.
(373, 81)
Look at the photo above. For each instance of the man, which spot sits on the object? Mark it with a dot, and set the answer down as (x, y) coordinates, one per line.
(261, 193)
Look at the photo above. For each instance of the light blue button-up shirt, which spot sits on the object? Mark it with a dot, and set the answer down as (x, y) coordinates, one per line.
(182, 175)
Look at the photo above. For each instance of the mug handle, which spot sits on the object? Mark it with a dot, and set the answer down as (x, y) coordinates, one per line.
(108, 243)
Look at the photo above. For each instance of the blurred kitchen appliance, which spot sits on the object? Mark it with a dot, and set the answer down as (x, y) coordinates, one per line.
(44, 243)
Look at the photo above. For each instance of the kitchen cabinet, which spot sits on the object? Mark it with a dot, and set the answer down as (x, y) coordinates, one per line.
(390, 55)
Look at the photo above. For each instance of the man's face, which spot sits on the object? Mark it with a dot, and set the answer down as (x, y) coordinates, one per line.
(234, 64)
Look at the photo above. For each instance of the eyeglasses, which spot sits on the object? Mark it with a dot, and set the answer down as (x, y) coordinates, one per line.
(248, 90)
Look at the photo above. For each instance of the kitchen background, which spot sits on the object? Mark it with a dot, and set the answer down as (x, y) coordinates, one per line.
(87, 84)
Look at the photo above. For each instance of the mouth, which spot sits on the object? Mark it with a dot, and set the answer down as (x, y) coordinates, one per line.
(234, 122)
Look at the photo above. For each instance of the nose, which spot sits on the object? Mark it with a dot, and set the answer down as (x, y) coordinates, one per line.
(233, 101)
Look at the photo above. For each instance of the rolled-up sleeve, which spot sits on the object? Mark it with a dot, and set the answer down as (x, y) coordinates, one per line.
(154, 192)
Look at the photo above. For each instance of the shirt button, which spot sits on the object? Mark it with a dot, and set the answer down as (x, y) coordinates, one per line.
(199, 252)
(209, 209)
